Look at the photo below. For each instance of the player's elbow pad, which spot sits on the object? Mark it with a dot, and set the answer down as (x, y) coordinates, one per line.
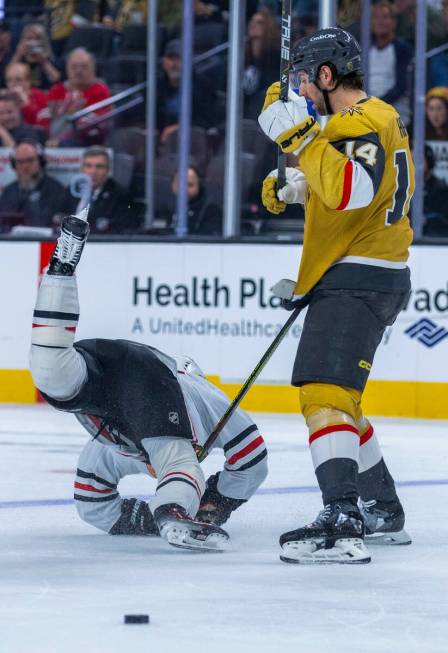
(358, 190)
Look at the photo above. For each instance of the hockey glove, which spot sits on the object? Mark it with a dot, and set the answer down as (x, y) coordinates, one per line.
(215, 508)
(293, 192)
(284, 289)
(135, 519)
(287, 123)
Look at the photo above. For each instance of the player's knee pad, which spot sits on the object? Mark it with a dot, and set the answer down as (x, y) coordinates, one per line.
(325, 403)
(330, 412)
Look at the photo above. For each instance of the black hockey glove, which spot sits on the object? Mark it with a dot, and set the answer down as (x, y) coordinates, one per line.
(215, 508)
(291, 304)
(136, 519)
(284, 290)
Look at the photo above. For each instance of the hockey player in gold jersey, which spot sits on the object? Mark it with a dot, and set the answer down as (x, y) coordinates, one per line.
(356, 179)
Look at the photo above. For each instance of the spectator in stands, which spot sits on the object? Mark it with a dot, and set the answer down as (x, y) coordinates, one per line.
(80, 90)
(11, 128)
(389, 59)
(126, 12)
(437, 74)
(60, 26)
(349, 15)
(204, 217)
(262, 61)
(435, 206)
(406, 15)
(207, 11)
(64, 16)
(34, 194)
(205, 110)
(111, 207)
(437, 114)
(5, 49)
(35, 50)
(33, 102)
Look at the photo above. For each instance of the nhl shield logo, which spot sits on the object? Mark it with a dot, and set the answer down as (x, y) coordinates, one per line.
(173, 417)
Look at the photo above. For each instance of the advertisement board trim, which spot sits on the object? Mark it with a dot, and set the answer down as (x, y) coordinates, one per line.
(381, 398)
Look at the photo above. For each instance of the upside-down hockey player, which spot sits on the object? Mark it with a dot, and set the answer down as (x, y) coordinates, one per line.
(353, 270)
(145, 411)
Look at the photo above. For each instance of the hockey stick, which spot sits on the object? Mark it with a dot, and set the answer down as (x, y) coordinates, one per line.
(203, 451)
(284, 80)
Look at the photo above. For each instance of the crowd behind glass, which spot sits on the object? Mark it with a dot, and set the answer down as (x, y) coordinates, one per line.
(58, 58)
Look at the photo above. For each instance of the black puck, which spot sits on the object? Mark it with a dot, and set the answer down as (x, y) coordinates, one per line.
(136, 618)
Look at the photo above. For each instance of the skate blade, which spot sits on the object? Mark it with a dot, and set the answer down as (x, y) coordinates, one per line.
(350, 551)
(180, 537)
(394, 539)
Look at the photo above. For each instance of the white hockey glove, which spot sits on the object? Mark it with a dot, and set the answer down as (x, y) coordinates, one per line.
(293, 192)
(287, 123)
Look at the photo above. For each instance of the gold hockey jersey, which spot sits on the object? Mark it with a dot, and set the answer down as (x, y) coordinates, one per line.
(361, 179)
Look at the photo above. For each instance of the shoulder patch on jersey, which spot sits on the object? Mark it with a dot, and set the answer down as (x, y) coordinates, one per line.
(351, 111)
(401, 127)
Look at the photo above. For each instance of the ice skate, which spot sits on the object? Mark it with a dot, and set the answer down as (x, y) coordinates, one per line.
(74, 232)
(384, 522)
(179, 530)
(335, 537)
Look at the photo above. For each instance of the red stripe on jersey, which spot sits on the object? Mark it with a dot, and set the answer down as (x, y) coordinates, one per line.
(367, 435)
(328, 430)
(104, 432)
(70, 329)
(184, 474)
(347, 188)
(247, 449)
(90, 488)
(35, 326)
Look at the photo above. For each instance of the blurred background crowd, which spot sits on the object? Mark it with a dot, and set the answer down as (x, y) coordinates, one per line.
(72, 76)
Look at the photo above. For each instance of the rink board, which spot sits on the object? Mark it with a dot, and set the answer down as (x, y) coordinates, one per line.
(212, 302)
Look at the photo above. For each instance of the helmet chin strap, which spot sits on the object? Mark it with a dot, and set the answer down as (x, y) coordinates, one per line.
(325, 93)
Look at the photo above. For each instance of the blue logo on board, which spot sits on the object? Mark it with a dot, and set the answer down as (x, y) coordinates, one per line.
(427, 332)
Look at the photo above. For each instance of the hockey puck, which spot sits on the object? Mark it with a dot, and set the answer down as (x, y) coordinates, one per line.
(136, 618)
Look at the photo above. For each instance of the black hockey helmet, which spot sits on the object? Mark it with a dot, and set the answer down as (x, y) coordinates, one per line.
(333, 45)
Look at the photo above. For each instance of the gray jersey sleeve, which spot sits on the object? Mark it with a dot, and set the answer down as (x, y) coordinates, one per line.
(245, 451)
(100, 469)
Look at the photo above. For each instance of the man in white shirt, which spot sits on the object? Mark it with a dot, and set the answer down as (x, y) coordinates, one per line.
(389, 59)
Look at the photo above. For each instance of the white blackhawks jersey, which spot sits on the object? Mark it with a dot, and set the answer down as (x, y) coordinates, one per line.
(105, 460)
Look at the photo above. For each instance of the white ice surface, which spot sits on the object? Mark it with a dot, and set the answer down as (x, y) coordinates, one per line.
(65, 587)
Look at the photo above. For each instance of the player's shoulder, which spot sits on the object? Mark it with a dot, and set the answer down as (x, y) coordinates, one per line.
(370, 115)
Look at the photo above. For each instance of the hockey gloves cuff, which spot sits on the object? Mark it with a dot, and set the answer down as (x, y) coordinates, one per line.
(215, 508)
